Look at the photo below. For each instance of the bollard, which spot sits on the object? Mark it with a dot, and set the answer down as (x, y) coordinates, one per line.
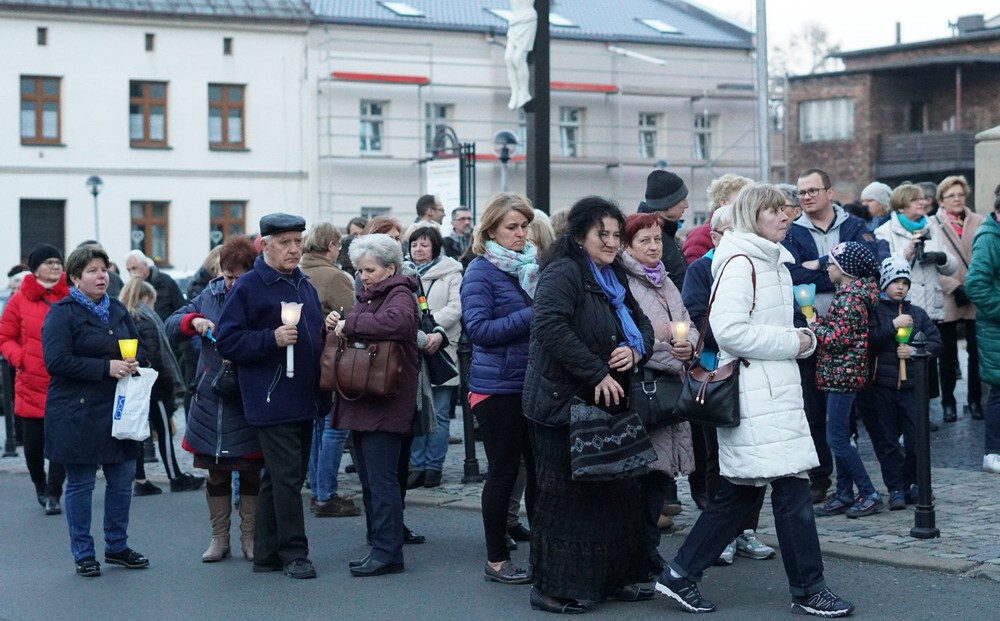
(10, 444)
(923, 517)
(464, 350)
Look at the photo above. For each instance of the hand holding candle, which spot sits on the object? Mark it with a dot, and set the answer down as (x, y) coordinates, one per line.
(903, 337)
(290, 313)
(679, 330)
(805, 295)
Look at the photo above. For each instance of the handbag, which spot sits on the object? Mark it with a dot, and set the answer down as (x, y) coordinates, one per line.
(653, 396)
(356, 368)
(440, 366)
(605, 447)
(226, 384)
(130, 415)
(712, 398)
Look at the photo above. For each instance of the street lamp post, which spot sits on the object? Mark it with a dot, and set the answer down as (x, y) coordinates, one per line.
(95, 184)
(505, 146)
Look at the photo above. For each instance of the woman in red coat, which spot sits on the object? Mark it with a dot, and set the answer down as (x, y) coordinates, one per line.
(21, 345)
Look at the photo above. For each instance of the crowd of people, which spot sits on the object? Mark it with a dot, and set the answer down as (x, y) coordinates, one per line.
(562, 313)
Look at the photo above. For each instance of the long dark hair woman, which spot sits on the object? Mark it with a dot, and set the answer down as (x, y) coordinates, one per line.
(587, 334)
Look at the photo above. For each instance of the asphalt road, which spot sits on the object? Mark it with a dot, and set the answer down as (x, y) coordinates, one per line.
(443, 578)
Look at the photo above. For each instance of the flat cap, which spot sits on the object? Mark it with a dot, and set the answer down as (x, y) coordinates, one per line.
(274, 223)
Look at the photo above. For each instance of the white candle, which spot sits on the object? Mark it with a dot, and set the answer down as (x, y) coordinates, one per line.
(290, 314)
(680, 330)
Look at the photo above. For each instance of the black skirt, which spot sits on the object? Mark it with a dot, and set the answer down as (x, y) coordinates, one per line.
(586, 537)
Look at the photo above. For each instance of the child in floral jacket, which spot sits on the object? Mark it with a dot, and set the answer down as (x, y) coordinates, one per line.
(841, 370)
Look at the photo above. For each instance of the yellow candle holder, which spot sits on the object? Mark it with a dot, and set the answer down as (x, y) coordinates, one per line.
(128, 348)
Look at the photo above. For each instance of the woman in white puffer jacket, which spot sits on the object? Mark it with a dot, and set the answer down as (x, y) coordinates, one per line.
(752, 320)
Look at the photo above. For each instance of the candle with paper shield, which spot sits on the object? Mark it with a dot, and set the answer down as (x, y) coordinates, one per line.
(679, 329)
(805, 295)
(128, 348)
(903, 337)
(290, 313)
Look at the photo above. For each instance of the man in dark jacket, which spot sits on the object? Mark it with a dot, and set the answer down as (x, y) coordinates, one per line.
(168, 295)
(282, 403)
(666, 195)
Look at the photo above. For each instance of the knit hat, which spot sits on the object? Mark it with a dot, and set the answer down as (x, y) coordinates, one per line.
(854, 259)
(878, 192)
(42, 253)
(893, 268)
(664, 189)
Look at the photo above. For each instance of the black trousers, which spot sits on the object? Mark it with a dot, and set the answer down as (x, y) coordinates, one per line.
(949, 362)
(34, 457)
(814, 403)
(159, 421)
(280, 537)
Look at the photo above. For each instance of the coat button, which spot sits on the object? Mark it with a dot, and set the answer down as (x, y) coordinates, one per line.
(111, 332)
(555, 395)
(82, 400)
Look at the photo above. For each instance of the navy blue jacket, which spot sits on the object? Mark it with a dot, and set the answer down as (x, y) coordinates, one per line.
(214, 428)
(78, 350)
(800, 243)
(250, 316)
(696, 293)
(498, 321)
(882, 341)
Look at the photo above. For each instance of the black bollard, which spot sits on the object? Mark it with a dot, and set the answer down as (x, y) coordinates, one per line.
(10, 444)
(923, 518)
(464, 350)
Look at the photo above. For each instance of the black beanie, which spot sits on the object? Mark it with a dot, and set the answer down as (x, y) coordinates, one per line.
(42, 253)
(664, 189)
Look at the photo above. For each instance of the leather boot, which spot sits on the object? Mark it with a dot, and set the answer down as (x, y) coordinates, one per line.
(248, 523)
(219, 510)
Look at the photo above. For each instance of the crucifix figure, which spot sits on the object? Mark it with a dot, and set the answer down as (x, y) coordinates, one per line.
(520, 40)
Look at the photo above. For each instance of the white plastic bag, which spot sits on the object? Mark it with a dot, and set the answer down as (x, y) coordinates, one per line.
(130, 418)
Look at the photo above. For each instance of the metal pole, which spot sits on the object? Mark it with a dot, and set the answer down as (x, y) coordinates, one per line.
(537, 114)
(464, 349)
(764, 131)
(504, 178)
(10, 443)
(923, 517)
(97, 220)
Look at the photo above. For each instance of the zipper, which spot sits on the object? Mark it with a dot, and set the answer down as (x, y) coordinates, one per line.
(274, 382)
(218, 431)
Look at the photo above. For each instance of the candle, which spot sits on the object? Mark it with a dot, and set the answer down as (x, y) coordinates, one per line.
(128, 348)
(680, 329)
(806, 295)
(903, 337)
(290, 313)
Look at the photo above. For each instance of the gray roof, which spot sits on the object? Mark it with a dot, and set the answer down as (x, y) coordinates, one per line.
(595, 20)
(256, 10)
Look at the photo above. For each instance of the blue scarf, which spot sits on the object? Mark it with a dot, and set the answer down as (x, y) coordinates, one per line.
(910, 225)
(100, 309)
(615, 293)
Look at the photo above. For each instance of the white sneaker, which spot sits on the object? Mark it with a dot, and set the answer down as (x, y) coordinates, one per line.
(991, 463)
(728, 555)
(749, 546)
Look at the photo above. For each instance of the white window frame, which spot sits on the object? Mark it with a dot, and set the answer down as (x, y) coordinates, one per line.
(823, 120)
(435, 115)
(703, 142)
(372, 125)
(649, 134)
(570, 131)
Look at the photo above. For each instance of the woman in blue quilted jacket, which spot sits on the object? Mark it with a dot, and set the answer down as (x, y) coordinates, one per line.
(497, 290)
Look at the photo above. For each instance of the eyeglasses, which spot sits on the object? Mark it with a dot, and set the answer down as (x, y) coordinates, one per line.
(790, 206)
(811, 192)
(52, 263)
(463, 219)
(950, 197)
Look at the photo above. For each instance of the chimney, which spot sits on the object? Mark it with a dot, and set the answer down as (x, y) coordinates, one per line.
(970, 23)
(899, 33)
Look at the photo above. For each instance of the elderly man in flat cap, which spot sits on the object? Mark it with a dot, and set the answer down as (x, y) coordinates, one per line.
(666, 196)
(283, 408)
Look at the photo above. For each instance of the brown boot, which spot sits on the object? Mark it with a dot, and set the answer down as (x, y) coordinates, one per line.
(219, 510)
(248, 522)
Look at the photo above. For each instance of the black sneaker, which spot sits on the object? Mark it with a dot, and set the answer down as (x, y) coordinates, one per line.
(88, 567)
(146, 488)
(685, 592)
(127, 558)
(823, 603)
(186, 483)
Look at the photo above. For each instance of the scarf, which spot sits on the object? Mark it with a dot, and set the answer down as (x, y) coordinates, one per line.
(101, 309)
(460, 243)
(957, 222)
(615, 292)
(522, 265)
(910, 225)
(424, 267)
(653, 273)
(166, 352)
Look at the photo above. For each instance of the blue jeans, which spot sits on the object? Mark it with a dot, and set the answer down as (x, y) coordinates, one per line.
(850, 470)
(378, 469)
(887, 414)
(992, 415)
(727, 512)
(80, 482)
(428, 451)
(324, 459)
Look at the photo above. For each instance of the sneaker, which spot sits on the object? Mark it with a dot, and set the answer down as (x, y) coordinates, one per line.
(834, 505)
(897, 501)
(337, 506)
(186, 483)
(728, 555)
(865, 506)
(824, 603)
(991, 463)
(749, 546)
(683, 591)
(88, 567)
(146, 488)
(127, 558)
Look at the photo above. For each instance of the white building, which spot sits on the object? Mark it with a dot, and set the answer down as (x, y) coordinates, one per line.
(196, 116)
(634, 82)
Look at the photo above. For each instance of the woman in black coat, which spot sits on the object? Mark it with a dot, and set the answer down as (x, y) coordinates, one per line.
(587, 334)
(80, 345)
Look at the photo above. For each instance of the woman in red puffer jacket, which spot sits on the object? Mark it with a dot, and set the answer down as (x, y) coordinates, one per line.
(21, 345)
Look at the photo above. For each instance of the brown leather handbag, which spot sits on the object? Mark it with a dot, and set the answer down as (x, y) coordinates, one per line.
(356, 368)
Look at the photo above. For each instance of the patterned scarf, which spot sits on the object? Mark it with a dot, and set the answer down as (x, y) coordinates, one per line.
(615, 292)
(100, 308)
(424, 267)
(522, 265)
(654, 274)
(957, 222)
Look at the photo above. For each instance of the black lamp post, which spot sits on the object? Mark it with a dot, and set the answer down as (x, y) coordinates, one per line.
(505, 146)
(95, 184)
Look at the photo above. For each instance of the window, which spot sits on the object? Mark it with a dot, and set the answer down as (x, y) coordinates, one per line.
(150, 229)
(648, 137)
(40, 121)
(150, 41)
(225, 218)
(659, 26)
(435, 116)
(42, 36)
(370, 212)
(917, 113)
(147, 114)
(403, 9)
(225, 116)
(826, 119)
(372, 125)
(569, 131)
(703, 129)
(227, 46)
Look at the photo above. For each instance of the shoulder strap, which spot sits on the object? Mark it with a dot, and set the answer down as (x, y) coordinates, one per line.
(715, 290)
(947, 235)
